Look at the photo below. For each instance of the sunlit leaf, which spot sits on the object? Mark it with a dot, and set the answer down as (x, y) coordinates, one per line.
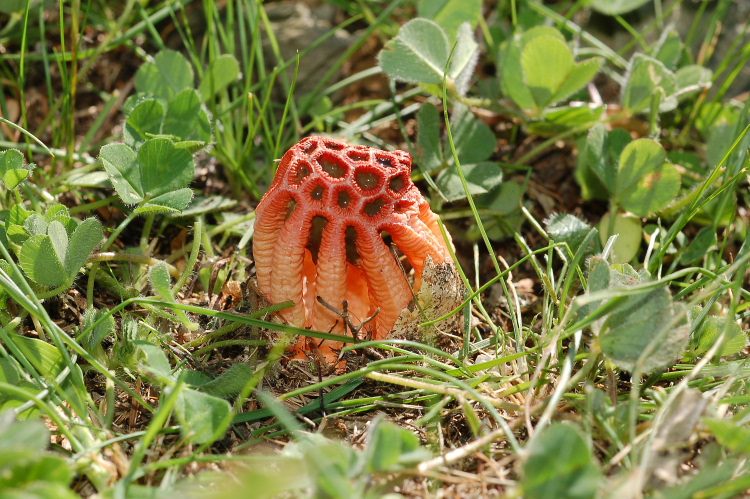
(567, 228)
(124, 172)
(40, 261)
(167, 75)
(418, 54)
(203, 418)
(480, 178)
(646, 75)
(559, 464)
(221, 72)
(629, 236)
(450, 14)
(616, 7)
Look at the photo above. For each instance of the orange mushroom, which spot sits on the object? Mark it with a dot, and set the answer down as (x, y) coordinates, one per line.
(319, 237)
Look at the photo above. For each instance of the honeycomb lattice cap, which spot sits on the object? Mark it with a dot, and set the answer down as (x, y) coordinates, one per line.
(359, 183)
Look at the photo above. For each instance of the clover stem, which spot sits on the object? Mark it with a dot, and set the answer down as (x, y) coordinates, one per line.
(56, 291)
(146, 232)
(591, 361)
(194, 252)
(273, 356)
(113, 286)
(654, 128)
(38, 327)
(227, 343)
(94, 205)
(126, 257)
(613, 209)
(523, 160)
(117, 231)
(109, 400)
(225, 226)
(90, 286)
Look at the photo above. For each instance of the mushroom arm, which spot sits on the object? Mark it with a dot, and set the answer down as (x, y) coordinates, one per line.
(288, 266)
(331, 279)
(416, 241)
(269, 219)
(387, 286)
